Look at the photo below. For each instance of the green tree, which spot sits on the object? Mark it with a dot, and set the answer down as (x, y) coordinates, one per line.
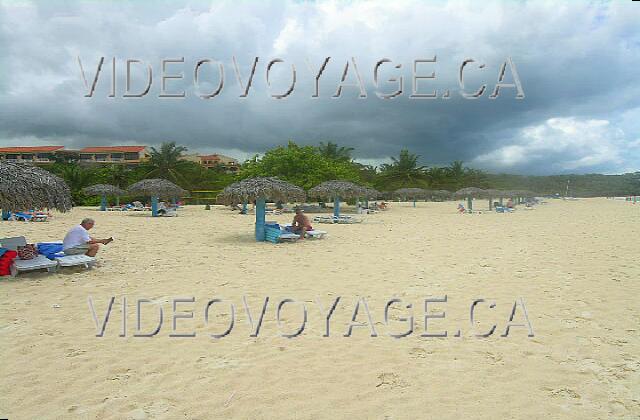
(76, 177)
(333, 151)
(403, 171)
(118, 175)
(304, 166)
(166, 163)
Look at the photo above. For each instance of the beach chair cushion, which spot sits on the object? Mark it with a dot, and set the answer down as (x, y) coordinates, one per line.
(13, 243)
(288, 237)
(76, 260)
(39, 262)
(36, 263)
(316, 234)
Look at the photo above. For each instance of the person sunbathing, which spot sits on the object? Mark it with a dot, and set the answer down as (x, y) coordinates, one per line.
(300, 224)
(461, 208)
(77, 241)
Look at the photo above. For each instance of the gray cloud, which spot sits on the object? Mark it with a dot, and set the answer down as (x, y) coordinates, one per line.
(577, 64)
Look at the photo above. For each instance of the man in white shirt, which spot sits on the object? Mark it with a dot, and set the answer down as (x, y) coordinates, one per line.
(79, 242)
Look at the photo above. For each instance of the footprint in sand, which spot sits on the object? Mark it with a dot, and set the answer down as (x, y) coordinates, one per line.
(74, 352)
(418, 353)
(391, 380)
(494, 359)
(564, 393)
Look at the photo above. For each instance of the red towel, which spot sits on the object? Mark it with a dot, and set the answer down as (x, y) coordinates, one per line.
(5, 262)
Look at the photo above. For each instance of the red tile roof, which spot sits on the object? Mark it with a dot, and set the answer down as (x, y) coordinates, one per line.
(30, 149)
(105, 149)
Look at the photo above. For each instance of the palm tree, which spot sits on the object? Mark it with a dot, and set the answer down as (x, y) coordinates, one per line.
(118, 175)
(404, 171)
(166, 163)
(333, 151)
(76, 176)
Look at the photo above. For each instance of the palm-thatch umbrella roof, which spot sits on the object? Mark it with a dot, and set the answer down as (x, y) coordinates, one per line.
(371, 193)
(25, 187)
(520, 193)
(156, 188)
(270, 188)
(411, 192)
(333, 189)
(471, 192)
(104, 189)
(493, 193)
(442, 193)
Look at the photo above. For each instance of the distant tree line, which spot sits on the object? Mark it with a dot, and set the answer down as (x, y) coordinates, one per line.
(307, 166)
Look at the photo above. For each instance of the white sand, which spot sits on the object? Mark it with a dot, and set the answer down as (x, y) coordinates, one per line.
(574, 263)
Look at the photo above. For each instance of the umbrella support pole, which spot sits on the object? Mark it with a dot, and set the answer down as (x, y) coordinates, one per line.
(244, 208)
(103, 203)
(490, 204)
(470, 203)
(501, 201)
(260, 219)
(414, 202)
(154, 206)
(5, 214)
(336, 206)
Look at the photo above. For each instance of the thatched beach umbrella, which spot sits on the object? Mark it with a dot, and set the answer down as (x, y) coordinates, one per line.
(261, 190)
(493, 193)
(370, 193)
(104, 190)
(24, 187)
(414, 193)
(470, 193)
(442, 194)
(156, 188)
(337, 190)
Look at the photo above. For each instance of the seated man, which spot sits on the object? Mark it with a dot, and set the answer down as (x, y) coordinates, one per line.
(77, 241)
(301, 223)
(461, 208)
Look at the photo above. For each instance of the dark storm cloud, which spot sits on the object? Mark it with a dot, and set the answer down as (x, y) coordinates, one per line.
(577, 64)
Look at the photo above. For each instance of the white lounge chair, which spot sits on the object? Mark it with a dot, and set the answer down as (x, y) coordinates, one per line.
(38, 263)
(76, 260)
(316, 234)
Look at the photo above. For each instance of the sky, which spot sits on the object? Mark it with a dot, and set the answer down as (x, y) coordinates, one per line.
(577, 63)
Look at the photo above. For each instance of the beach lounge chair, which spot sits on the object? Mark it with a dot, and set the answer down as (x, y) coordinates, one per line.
(76, 260)
(167, 211)
(313, 234)
(39, 217)
(274, 234)
(324, 219)
(316, 234)
(343, 219)
(138, 206)
(37, 263)
(22, 216)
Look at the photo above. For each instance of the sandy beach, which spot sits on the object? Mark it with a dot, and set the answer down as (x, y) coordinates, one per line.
(573, 263)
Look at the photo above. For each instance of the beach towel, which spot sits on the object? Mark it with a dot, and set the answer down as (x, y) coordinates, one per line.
(50, 250)
(5, 262)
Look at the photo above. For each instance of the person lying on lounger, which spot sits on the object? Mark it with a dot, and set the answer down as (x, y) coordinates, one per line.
(79, 242)
(300, 224)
